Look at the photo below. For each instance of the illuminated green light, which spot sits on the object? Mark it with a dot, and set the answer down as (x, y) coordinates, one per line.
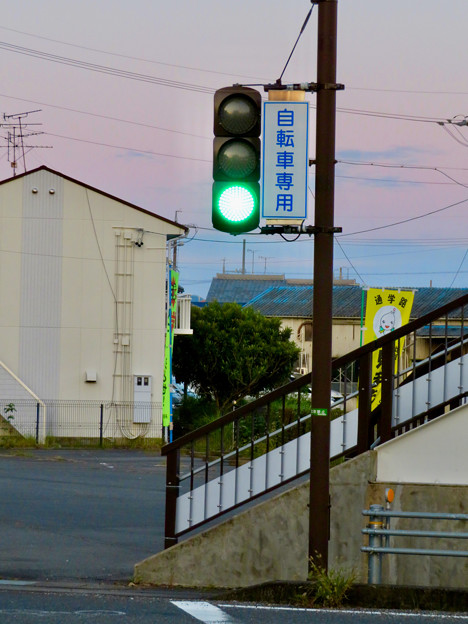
(236, 203)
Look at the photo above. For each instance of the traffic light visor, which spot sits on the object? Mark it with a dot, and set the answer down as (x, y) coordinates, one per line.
(235, 159)
(238, 114)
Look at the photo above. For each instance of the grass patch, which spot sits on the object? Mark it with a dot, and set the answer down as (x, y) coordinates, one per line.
(20, 442)
(13, 441)
(326, 588)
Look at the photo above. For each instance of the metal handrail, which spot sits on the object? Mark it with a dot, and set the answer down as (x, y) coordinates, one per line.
(241, 449)
(339, 362)
(367, 419)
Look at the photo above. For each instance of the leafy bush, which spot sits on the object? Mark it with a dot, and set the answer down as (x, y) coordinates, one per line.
(192, 413)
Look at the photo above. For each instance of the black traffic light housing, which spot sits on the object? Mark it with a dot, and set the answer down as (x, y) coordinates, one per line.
(236, 159)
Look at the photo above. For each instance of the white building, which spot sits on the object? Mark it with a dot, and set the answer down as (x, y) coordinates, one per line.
(82, 307)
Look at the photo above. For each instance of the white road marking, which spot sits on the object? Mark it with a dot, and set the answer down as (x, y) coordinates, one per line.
(386, 612)
(203, 611)
(43, 613)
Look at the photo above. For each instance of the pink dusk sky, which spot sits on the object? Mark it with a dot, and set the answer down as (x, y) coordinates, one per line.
(140, 126)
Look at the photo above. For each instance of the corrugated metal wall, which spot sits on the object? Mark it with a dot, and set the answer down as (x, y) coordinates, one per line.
(41, 283)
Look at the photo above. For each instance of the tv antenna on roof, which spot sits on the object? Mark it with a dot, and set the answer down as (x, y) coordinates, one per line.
(16, 133)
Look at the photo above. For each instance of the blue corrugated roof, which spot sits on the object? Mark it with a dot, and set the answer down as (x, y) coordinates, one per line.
(296, 301)
(240, 289)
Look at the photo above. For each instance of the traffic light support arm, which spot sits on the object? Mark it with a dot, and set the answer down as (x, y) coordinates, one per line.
(294, 229)
(304, 86)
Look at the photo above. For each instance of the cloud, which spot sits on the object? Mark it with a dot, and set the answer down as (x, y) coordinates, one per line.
(132, 154)
(400, 154)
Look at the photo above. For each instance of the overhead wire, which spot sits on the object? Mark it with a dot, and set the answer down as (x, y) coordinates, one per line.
(459, 269)
(348, 259)
(125, 56)
(102, 69)
(395, 223)
(211, 71)
(123, 147)
(200, 88)
(297, 40)
(420, 167)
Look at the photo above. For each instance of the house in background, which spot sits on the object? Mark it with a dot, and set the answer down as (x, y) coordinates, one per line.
(293, 305)
(83, 308)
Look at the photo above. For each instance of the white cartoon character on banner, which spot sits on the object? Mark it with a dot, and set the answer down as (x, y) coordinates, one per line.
(386, 320)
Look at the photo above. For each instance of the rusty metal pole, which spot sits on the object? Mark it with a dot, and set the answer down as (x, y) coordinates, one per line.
(319, 510)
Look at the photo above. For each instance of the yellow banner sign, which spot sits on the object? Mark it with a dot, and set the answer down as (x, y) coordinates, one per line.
(386, 310)
(171, 320)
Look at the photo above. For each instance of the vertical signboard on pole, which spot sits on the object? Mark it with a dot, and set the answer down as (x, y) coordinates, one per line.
(386, 310)
(285, 160)
(173, 286)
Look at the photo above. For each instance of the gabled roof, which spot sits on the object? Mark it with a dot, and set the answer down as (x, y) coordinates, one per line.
(296, 301)
(91, 188)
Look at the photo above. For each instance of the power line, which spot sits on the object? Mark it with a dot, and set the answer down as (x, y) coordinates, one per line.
(108, 117)
(414, 91)
(389, 225)
(397, 166)
(125, 56)
(297, 41)
(401, 117)
(212, 71)
(419, 167)
(124, 147)
(102, 69)
(347, 258)
(184, 85)
(458, 271)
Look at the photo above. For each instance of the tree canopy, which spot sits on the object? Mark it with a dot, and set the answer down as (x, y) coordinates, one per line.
(233, 352)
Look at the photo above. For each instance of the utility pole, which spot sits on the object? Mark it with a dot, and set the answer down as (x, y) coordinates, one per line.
(174, 248)
(319, 510)
(252, 251)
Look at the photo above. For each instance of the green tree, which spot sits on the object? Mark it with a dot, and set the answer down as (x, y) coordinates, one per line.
(233, 352)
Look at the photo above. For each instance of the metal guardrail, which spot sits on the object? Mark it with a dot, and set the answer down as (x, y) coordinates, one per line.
(379, 533)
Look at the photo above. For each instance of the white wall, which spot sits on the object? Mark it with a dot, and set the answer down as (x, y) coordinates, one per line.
(58, 280)
(433, 453)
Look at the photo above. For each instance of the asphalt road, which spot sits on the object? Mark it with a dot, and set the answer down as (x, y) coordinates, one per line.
(73, 524)
(74, 514)
(106, 606)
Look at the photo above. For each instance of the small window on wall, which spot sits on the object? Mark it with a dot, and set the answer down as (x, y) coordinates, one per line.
(308, 332)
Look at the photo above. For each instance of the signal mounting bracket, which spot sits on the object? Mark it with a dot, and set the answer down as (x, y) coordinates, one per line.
(299, 229)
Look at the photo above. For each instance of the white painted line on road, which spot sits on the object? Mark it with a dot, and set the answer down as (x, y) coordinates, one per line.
(203, 611)
(386, 612)
(7, 582)
(43, 613)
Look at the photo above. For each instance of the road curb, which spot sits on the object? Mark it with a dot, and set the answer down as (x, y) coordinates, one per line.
(360, 596)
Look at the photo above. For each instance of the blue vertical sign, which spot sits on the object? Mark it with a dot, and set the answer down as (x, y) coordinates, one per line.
(285, 160)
